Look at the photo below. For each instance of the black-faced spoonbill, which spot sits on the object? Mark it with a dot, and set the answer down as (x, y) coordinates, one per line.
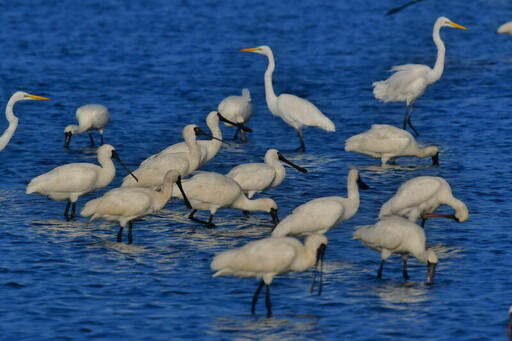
(295, 111)
(71, 181)
(386, 143)
(506, 28)
(410, 81)
(263, 259)
(396, 235)
(13, 120)
(212, 191)
(257, 177)
(237, 109)
(89, 117)
(420, 197)
(322, 214)
(126, 204)
(208, 149)
(151, 172)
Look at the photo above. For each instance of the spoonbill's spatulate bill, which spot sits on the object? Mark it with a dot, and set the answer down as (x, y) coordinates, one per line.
(322, 214)
(420, 197)
(257, 177)
(71, 181)
(13, 120)
(90, 117)
(127, 204)
(265, 258)
(386, 143)
(295, 111)
(410, 81)
(237, 109)
(396, 235)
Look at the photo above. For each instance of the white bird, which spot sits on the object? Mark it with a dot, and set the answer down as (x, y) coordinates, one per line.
(212, 191)
(396, 235)
(386, 143)
(420, 197)
(506, 28)
(89, 117)
(237, 109)
(71, 181)
(13, 120)
(127, 204)
(152, 171)
(322, 214)
(410, 81)
(295, 111)
(208, 149)
(258, 177)
(265, 258)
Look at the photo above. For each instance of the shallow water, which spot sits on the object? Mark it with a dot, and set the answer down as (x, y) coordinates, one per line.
(159, 65)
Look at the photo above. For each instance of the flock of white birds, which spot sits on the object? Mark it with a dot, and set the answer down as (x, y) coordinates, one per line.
(166, 174)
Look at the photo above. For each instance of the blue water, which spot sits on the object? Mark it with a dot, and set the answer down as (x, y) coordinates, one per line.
(159, 65)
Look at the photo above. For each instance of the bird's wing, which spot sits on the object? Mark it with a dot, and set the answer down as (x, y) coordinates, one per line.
(124, 201)
(210, 188)
(379, 236)
(381, 139)
(253, 176)
(298, 112)
(75, 177)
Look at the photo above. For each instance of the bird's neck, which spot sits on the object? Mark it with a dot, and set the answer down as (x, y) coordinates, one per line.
(163, 196)
(439, 65)
(107, 173)
(243, 203)
(305, 260)
(270, 95)
(280, 172)
(194, 156)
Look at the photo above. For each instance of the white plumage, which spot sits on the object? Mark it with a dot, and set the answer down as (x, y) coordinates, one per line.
(295, 111)
(386, 143)
(90, 117)
(257, 177)
(506, 28)
(396, 235)
(237, 109)
(420, 197)
(322, 214)
(263, 259)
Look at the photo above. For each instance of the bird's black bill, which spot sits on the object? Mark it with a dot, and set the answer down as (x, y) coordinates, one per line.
(199, 132)
(431, 270)
(275, 217)
(435, 160)
(67, 139)
(361, 184)
(239, 125)
(299, 168)
(319, 259)
(437, 215)
(398, 9)
(116, 156)
(187, 203)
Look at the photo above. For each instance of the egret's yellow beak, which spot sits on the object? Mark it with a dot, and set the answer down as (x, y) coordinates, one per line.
(38, 97)
(253, 49)
(458, 26)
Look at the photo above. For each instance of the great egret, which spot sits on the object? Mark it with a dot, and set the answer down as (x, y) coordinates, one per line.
(322, 214)
(237, 109)
(89, 117)
(257, 177)
(71, 181)
(295, 111)
(265, 258)
(420, 197)
(410, 81)
(127, 204)
(13, 120)
(386, 143)
(506, 28)
(396, 235)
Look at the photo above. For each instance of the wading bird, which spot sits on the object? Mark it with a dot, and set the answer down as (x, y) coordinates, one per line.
(396, 235)
(420, 197)
(322, 214)
(127, 204)
(237, 109)
(506, 28)
(410, 81)
(386, 143)
(90, 117)
(295, 111)
(13, 120)
(265, 258)
(257, 177)
(71, 181)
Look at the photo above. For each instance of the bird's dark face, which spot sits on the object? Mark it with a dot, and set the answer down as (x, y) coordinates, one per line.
(435, 160)
(431, 270)
(275, 217)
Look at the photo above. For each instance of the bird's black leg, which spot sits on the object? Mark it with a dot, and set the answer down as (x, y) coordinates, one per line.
(255, 296)
(130, 235)
(73, 208)
(407, 120)
(247, 214)
(268, 303)
(68, 204)
(208, 223)
(302, 144)
(243, 137)
(423, 221)
(379, 273)
(120, 234)
(404, 269)
(92, 140)
(101, 137)
(236, 133)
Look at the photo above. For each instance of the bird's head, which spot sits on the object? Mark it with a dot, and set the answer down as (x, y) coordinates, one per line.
(263, 49)
(431, 265)
(22, 96)
(445, 22)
